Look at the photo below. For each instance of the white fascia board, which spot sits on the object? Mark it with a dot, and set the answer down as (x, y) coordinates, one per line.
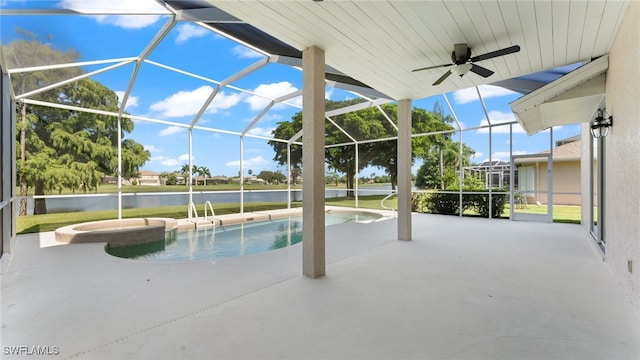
(570, 99)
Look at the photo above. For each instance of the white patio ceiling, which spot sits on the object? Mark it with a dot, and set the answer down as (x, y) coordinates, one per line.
(379, 42)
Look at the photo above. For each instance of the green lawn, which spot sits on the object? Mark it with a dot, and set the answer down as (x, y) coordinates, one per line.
(561, 213)
(50, 222)
(368, 202)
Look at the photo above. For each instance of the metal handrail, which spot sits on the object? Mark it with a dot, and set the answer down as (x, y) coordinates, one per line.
(213, 215)
(388, 208)
(193, 211)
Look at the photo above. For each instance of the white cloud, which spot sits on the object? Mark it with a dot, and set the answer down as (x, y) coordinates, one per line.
(131, 102)
(256, 162)
(187, 103)
(245, 53)
(190, 31)
(499, 117)
(504, 155)
(469, 94)
(165, 161)
(328, 93)
(170, 162)
(153, 148)
(123, 21)
(185, 157)
(171, 130)
(261, 131)
(271, 91)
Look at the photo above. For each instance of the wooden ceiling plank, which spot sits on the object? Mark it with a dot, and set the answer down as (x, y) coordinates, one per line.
(591, 28)
(560, 21)
(611, 18)
(530, 33)
(519, 62)
(543, 13)
(577, 15)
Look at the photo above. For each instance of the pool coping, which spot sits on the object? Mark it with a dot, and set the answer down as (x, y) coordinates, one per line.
(238, 218)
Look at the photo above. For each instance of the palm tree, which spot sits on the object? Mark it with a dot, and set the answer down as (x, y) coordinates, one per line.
(205, 172)
(184, 170)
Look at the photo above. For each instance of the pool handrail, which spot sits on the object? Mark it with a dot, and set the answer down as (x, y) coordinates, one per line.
(193, 211)
(213, 214)
(388, 208)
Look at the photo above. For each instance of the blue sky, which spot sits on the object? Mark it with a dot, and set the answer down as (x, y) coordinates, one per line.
(165, 95)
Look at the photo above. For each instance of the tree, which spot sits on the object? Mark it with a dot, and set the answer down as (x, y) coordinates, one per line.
(288, 129)
(422, 122)
(205, 172)
(271, 177)
(440, 166)
(296, 172)
(169, 178)
(59, 148)
(27, 53)
(184, 171)
(443, 159)
(365, 124)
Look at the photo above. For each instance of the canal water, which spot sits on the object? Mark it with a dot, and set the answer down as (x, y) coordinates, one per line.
(78, 203)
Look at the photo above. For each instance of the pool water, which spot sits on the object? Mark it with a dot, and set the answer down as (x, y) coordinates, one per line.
(213, 243)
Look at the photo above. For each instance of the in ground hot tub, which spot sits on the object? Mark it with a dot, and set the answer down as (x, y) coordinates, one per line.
(116, 233)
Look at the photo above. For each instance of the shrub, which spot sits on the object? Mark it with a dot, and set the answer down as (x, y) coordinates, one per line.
(449, 203)
(442, 203)
(420, 202)
(480, 203)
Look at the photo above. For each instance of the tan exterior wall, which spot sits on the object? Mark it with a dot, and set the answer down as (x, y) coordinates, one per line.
(566, 178)
(622, 168)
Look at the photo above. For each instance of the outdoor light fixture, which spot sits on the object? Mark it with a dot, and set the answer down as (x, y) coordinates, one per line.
(461, 70)
(600, 125)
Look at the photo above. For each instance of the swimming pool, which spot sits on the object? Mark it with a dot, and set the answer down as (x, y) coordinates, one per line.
(213, 243)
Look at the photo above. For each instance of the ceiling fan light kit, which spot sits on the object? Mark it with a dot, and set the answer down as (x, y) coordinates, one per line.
(461, 69)
(463, 62)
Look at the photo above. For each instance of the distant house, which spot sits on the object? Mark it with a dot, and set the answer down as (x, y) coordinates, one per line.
(201, 180)
(149, 178)
(532, 174)
(251, 179)
(108, 179)
(218, 180)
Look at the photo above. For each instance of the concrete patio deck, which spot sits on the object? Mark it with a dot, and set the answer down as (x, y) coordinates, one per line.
(464, 288)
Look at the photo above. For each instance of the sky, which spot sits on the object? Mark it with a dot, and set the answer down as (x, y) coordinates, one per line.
(171, 96)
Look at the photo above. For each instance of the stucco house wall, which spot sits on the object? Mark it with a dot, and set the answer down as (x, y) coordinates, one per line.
(622, 146)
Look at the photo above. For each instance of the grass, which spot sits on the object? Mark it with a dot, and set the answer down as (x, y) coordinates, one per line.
(561, 213)
(50, 222)
(367, 202)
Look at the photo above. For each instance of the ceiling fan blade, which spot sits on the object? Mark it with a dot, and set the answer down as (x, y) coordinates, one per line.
(501, 52)
(431, 67)
(446, 75)
(484, 72)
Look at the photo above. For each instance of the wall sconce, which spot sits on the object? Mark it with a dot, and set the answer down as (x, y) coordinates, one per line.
(601, 124)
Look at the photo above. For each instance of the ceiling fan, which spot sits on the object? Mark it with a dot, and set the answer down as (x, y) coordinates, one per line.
(463, 62)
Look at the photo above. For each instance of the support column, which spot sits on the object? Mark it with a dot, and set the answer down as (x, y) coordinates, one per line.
(404, 170)
(313, 231)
